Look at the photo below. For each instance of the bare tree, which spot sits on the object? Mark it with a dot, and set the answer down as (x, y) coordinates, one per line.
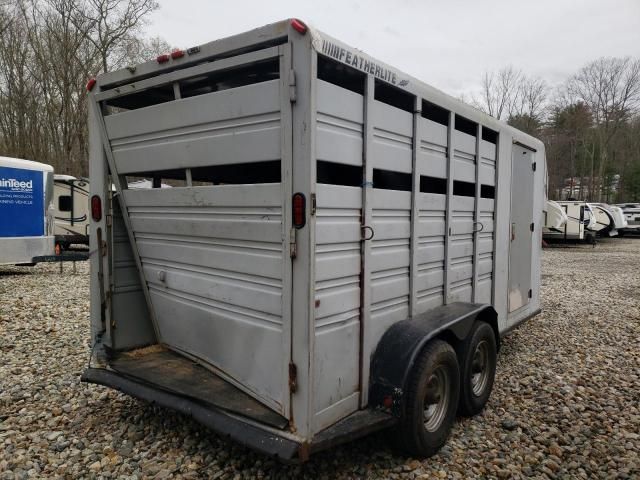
(499, 91)
(48, 49)
(611, 89)
(113, 23)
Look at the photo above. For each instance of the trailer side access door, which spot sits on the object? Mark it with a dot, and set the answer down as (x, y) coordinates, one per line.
(522, 171)
(214, 249)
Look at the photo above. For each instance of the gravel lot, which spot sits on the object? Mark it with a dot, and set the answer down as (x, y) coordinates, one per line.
(565, 403)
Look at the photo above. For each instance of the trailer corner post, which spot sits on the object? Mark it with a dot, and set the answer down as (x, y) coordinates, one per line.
(448, 207)
(477, 226)
(367, 216)
(415, 214)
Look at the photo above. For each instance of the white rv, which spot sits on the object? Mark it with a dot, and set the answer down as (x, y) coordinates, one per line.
(554, 218)
(26, 210)
(346, 250)
(580, 226)
(605, 223)
(631, 212)
(71, 200)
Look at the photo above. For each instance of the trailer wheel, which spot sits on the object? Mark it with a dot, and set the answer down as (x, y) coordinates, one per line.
(478, 369)
(431, 401)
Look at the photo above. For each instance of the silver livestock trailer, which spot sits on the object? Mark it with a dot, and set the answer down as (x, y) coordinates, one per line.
(341, 252)
(26, 210)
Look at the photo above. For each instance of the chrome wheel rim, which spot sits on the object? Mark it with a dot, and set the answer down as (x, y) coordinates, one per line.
(436, 401)
(480, 368)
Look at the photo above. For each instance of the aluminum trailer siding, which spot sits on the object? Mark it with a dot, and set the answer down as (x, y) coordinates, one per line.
(324, 198)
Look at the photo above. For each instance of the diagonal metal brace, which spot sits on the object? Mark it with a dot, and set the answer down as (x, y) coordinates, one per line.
(117, 182)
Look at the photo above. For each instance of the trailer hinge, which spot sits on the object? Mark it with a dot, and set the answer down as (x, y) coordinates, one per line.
(292, 86)
(533, 166)
(293, 378)
(293, 248)
(530, 293)
(313, 204)
(532, 226)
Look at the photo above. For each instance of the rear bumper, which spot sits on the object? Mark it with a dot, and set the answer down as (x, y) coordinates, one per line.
(235, 427)
(259, 437)
(24, 249)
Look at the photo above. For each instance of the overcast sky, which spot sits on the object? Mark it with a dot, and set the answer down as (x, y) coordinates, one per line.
(446, 43)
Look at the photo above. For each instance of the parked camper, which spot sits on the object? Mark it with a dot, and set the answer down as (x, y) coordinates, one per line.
(554, 218)
(631, 213)
(605, 223)
(619, 218)
(347, 249)
(26, 210)
(581, 222)
(71, 200)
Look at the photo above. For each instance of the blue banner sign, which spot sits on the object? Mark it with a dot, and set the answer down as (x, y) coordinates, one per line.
(21, 203)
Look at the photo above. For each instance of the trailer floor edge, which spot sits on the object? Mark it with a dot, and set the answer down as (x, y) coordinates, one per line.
(244, 431)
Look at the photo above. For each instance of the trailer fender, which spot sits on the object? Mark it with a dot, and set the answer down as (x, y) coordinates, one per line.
(398, 348)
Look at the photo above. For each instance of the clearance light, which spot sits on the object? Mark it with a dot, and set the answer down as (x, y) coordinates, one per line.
(96, 208)
(299, 203)
(177, 54)
(299, 26)
(163, 58)
(90, 84)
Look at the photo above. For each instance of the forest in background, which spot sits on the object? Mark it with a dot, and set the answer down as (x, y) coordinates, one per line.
(48, 51)
(590, 123)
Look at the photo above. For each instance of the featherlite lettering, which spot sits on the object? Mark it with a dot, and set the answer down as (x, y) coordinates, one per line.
(350, 58)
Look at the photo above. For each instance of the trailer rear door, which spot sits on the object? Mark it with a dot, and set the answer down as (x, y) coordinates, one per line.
(522, 171)
(214, 249)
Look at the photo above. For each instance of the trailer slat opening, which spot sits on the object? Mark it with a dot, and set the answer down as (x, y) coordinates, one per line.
(333, 173)
(433, 185)
(393, 96)
(389, 180)
(340, 75)
(433, 112)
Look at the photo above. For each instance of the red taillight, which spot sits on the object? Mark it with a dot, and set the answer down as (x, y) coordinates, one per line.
(163, 58)
(387, 401)
(299, 217)
(299, 26)
(90, 84)
(96, 208)
(177, 54)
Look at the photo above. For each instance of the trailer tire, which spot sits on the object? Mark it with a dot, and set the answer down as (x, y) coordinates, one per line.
(478, 361)
(435, 377)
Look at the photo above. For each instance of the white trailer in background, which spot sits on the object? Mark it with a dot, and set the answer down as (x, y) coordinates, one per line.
(555, 218)
(605, 223)
(26, 210)
(631, 212)
(71, 200)
(342, 254)
(580, 223)
(619, 218)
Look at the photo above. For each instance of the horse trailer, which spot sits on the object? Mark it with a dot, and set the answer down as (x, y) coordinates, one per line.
(71, 200)
(342, 249)
(26, 210)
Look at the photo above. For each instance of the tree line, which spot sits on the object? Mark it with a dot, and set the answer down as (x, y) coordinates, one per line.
(590, 125)
(49, 48)
(48, 51)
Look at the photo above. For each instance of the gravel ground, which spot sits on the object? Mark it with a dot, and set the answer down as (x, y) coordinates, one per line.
(565, 403)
